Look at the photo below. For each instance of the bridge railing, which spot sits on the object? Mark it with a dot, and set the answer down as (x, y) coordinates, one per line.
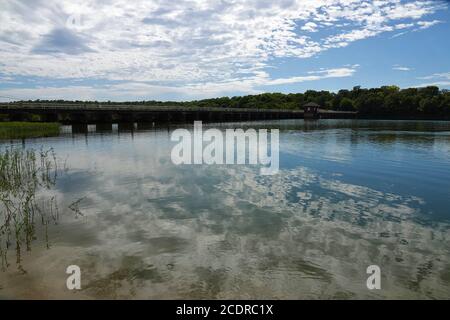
(88, 107)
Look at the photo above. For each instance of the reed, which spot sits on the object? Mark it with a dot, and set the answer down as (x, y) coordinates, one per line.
(23, 173)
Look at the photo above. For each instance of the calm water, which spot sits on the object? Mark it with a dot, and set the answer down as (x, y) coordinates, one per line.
(349, 194)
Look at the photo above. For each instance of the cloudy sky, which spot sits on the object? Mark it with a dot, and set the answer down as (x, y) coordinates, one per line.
(184, 50)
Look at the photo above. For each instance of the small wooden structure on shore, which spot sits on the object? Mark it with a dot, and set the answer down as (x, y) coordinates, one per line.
(311, 110)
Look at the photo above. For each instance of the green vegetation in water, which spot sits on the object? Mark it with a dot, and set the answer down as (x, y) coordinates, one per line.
(23, 174)
(23, 130)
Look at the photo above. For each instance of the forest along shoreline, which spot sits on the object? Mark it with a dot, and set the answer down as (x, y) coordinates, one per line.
(386, 102)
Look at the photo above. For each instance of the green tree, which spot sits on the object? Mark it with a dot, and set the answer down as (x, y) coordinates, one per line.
(347, 104)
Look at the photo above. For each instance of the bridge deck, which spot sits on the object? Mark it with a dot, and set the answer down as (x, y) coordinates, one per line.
(117, 112)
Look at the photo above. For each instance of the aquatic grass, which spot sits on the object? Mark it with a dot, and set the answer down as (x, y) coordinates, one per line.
(22, 174)
(23, 130)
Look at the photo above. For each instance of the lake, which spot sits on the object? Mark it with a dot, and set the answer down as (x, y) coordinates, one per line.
(349, 194)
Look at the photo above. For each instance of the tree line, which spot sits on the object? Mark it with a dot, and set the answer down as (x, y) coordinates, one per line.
(383, 101)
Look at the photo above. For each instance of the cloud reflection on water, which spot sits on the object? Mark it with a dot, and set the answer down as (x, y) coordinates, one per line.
(155, 230)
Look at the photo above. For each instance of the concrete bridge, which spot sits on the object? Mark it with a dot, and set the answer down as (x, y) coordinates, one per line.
(93, 113)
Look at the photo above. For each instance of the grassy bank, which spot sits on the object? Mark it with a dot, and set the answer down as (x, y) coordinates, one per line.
(22, 130)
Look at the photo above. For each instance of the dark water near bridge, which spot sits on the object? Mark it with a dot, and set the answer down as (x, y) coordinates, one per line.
(349, 194)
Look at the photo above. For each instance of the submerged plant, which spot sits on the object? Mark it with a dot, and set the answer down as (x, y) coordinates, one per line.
(74, 206)
(24, 176)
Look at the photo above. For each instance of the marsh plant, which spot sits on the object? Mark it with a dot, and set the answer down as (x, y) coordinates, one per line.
(26, 130)
(26, 178)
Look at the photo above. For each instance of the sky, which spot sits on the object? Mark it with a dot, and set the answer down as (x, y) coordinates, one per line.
(185, 50)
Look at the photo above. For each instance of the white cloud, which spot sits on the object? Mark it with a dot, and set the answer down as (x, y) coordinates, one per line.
(419, 25)
(129, 90)
(401, 68)
(310, 27)
(445, 75)
(214, 44)
(441, 84)
(441, 80)
(404, 26)
(428, 24)
(318, 75)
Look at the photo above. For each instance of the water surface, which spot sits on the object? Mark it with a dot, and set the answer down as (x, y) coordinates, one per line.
(349, 194)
